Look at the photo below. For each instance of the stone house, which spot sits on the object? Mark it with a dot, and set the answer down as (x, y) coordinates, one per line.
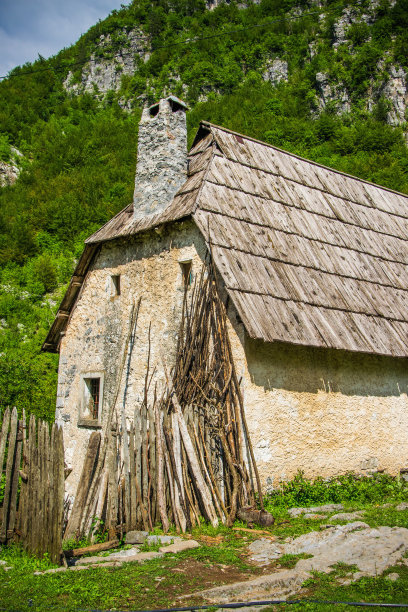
(313, 266)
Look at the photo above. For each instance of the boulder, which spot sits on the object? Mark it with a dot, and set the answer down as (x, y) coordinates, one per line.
(136, 537)
(294, 512)
(179, 546)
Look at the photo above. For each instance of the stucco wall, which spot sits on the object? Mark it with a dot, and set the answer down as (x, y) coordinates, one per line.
(149, 267)
(321, 411)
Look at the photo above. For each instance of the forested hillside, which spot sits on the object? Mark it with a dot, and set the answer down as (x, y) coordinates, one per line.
(326, 80)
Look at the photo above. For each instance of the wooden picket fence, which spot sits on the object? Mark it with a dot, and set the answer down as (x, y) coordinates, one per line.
(31, 485)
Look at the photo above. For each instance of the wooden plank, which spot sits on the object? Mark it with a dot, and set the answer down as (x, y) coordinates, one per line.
(3, 437)
(138, 460)
(31, 469)
(59, 491)
(112, 512)
(74, 522)
(132, 474)
(14, 485)
(9, 474)
(21, 528)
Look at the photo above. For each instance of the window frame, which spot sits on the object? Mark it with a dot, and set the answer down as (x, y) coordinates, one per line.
(85, 417)
(186, 268)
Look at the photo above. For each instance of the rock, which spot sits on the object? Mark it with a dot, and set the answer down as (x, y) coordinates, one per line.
(402, 506)
(90, 561)
(396, 91)
(142, 557)
(179, 546)
(3, 562)
(105, 73)
(388, 506)
(314, 517)
(329, 92)
(346, 516)
(372, 550)
(136, 537)
(279, 585)
(393, 576)
(263, 551)
(294, 512)
(122, 554)
(252, 515)
(94, 565)
(54, 570)
(162, 539)
(276, 71)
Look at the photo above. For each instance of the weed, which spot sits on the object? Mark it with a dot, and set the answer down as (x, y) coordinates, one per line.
(290, 561)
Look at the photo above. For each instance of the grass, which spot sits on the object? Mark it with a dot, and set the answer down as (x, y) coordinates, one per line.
(221, 558)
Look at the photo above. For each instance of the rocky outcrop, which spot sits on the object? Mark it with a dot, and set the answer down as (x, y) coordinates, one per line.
(10, 170)
(395, 91)
(276, 71)
(104, 70)
(330, 93)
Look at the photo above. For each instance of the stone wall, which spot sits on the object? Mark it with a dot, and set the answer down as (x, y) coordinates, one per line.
(149, 267)
(322, 411)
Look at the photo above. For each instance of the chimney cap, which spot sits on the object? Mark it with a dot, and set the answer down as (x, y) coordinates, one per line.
(175, 103)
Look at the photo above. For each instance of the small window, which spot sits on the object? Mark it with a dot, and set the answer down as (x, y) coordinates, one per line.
(115, 284)
(91, 402)
(186, 272)
(93, 392)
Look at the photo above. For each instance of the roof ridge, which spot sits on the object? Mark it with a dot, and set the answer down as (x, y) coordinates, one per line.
(304, 159)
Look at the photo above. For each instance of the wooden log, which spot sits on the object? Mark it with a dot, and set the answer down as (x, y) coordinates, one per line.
(58, 479)
(9, 475)
(180, 508)
(160, 472)
(112, 512)
(207, 476)
(152, 464)
(100, 501)
(193, 463)
(212, 476)
(138, 461)
(132, 478)
(78, 509)
(95, 548)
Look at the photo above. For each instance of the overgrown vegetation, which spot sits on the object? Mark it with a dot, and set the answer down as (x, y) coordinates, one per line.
(80, 151)
(302, 492)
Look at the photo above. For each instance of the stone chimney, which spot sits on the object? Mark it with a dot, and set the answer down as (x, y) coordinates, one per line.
(161, 156)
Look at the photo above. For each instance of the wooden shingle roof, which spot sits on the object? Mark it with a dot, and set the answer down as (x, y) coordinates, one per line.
(308, 255)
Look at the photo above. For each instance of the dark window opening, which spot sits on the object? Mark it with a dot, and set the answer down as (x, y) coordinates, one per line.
(94, 385)
(186, 273)
(154, 110)
(116, 284)
(176, 106)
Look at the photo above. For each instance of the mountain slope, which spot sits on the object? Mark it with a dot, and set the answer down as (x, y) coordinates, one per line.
(325, 81)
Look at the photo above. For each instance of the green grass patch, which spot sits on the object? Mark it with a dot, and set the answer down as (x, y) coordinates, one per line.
(302, 492)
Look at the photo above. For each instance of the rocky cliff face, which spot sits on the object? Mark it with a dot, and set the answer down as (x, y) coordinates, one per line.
(10, 170)
(107, 65)
(110, 61)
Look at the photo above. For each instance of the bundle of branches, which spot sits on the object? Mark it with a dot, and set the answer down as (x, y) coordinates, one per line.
(203, 407)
